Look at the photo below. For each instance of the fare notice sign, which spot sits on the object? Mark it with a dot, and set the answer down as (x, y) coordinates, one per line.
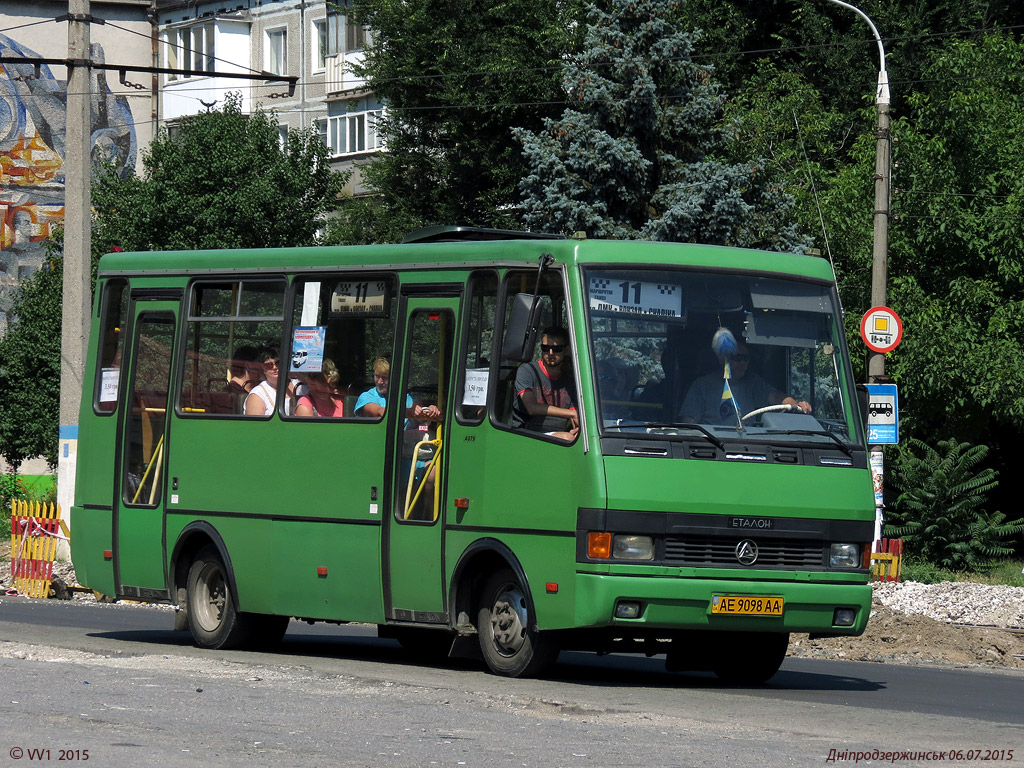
(881, 329)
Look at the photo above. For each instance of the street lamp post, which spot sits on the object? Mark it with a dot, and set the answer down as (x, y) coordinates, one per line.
(880, 250)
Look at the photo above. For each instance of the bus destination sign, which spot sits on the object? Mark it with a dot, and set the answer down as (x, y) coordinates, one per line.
(629, 297)
(366, 298)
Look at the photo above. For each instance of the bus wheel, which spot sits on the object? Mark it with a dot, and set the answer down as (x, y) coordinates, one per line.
(748, 657)
(510, 646)
(212, 617)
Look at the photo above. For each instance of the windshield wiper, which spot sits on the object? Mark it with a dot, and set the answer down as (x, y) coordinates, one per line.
(842, 446)
(675, 425)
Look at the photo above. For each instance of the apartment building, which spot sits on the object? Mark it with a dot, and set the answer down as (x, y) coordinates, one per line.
(315, 42)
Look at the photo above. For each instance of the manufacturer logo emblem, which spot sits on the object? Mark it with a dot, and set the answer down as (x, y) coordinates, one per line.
(746, 552)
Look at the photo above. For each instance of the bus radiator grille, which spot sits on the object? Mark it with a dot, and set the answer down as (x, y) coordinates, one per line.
(771, 553)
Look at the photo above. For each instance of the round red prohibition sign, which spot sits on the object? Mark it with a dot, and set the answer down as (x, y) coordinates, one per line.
(881, 329)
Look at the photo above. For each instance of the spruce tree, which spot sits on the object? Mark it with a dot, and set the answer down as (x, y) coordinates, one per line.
(640, 151)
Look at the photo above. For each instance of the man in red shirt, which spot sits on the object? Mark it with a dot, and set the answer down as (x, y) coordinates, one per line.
(546, 390)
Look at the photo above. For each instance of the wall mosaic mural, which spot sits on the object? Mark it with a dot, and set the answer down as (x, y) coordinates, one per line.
(32, 133)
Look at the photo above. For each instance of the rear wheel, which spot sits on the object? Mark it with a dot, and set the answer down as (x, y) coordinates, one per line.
(213, 618)
(745, 658)
(510, 644)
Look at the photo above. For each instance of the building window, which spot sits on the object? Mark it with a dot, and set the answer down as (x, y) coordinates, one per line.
(276, 55)
(330, 32)
(189, 48)
(354, 132)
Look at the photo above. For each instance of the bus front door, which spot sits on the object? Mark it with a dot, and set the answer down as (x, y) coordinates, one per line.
(414, 589)
(139, 519)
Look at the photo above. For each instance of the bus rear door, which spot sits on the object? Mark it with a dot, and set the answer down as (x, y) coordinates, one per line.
(139, 517)
(415, 588)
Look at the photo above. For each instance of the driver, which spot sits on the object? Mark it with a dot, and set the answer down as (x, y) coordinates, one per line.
(709, 401)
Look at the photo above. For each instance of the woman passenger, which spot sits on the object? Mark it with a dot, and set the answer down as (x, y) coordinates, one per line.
(324, 399)
(261, 399)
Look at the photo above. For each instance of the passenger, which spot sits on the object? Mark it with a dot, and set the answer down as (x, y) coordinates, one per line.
(243, 376)
(616, 381)
(374, 401)
(708, 400)
(546, 390)
(323, 399)
(261, 399)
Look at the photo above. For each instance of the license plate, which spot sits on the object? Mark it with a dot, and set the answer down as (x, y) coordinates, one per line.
(746, 605)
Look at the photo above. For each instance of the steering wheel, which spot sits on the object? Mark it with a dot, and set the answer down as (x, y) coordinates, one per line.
(768, 408)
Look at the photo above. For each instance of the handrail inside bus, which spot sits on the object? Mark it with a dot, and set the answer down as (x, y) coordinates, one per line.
(410, 498)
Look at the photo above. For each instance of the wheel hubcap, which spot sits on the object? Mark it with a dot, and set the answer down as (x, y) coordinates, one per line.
(211, 597)
(508, 620)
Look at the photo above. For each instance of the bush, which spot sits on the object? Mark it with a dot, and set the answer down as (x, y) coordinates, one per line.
(940, 510)
(11, 488)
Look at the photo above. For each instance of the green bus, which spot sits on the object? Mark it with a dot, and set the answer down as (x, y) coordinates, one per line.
(637, 526)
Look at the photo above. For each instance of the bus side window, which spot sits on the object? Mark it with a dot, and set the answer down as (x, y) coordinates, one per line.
(112, 330)
(228, 324)
(339, 326)
(481, 312)
(550, 311)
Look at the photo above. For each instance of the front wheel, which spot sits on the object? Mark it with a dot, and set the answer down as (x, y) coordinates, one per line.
(509, 641)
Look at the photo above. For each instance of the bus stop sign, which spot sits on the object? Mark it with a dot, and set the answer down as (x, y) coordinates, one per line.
(883, 414)
(881, 329)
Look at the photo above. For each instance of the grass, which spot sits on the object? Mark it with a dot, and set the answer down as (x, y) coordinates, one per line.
(1006, 572)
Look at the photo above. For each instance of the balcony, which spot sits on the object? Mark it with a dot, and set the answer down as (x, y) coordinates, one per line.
(338, 76)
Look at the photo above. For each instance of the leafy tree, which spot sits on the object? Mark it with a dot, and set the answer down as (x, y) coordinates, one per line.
(30, 369)
(454, 75)
(640, 153)
(940, 511)
(221, 181)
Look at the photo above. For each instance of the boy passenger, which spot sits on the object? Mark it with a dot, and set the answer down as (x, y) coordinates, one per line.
(546, 390)
(374, 401)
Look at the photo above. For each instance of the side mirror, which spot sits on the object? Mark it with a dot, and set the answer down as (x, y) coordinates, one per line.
(521, 329)
(862, 403)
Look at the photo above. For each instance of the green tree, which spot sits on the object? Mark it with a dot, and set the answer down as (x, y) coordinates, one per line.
(454, 75)
(222, 180)
(641, 151)
(940, 510)
(30, 369)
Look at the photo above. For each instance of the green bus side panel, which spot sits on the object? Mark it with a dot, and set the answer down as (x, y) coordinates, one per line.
(248, 552)
(282, 494)
(739, 488)
(349, 590)
(524, 493)
(90, 537)
(685, 603)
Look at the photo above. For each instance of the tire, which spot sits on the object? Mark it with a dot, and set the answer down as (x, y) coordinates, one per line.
(509, 641)
(213, 618)
(748, 658)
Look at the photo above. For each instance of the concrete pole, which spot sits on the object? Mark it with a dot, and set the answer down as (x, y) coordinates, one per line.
(880, 250)
(77, 249)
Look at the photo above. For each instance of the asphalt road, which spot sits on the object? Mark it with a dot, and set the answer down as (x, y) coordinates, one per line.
(117, 682)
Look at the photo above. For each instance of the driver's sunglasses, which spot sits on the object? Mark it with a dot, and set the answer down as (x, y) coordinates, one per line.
(556, 348)
(740, 358)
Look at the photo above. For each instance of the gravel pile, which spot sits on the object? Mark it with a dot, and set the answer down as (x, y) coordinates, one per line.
(956, 602)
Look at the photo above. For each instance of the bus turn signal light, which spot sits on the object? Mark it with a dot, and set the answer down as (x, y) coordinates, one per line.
(599, 545)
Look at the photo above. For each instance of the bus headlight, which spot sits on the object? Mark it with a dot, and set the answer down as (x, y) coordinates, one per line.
(844, 556)
(630, 547)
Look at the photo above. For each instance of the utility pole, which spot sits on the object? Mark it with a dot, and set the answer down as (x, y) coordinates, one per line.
(880, 249)
(77, 249)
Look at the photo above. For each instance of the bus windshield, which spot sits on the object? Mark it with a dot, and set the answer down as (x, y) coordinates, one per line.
(719, 356)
